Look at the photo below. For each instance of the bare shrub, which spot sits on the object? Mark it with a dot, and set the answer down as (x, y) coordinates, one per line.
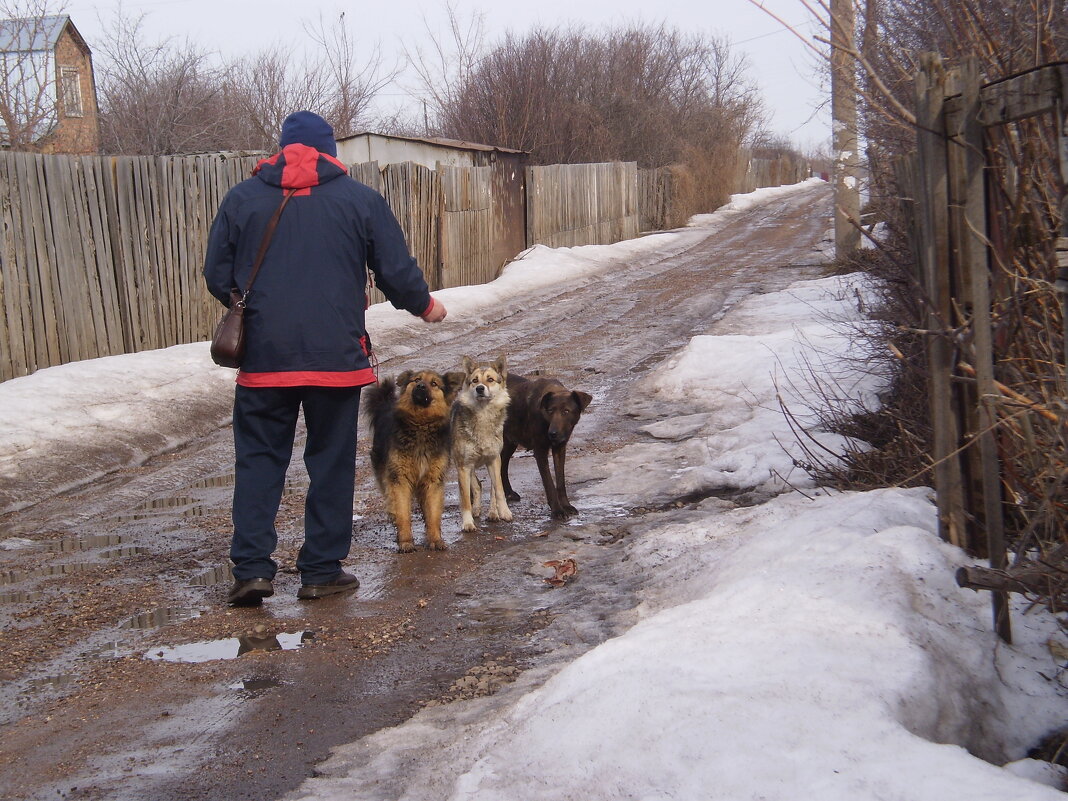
(1024, 192)
(888, 446)
(649, 94)
(166, 97)
(175, 97)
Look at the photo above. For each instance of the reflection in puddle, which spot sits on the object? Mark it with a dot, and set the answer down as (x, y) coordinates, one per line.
(190, 505)
(116, 553)
(20, 597)
(230, 648)
(217, 575)
(109, 650)
(15, 576)
(60, 682)
(253, 686)
(160, 617)
(83, 543)
(501, 617)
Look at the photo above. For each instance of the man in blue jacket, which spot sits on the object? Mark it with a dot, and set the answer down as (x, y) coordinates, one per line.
(306, 345)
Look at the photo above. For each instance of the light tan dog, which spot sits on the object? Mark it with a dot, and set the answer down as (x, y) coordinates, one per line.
(477, 431)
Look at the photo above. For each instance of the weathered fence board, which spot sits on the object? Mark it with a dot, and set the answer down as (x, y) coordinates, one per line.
(933, 228)
(466, 224)
(582, 204)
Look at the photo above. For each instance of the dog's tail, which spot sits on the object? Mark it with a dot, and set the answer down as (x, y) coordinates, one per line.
(379, 400)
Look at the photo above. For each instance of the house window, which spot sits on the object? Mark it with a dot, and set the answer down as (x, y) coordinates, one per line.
(70, 92)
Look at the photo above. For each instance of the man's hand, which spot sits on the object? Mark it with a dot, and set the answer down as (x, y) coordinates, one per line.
(436, 313)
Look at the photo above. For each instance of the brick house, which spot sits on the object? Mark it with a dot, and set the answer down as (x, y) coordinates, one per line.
(47, 88)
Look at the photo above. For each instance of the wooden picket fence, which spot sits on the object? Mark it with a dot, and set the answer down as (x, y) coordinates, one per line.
(100, 256)
(580, 204)
(103, 255)
(666, 195)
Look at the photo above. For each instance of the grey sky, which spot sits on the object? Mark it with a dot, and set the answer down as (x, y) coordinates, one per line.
(781, 65)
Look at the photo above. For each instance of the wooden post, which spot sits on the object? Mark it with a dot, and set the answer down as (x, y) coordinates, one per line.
(1061, 284)
(933, 229)
(973, 256)
(844, 133)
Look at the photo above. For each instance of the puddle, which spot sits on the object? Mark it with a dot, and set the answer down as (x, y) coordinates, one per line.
(109, 650)
(60, 682)
(217, 575)
(254, 686)
(15, 576)
(160, 617)
(230, 648)
(118, 553)
(499, 618)
(189, 505)
(20, 597)
(180, 506)
(83, 543)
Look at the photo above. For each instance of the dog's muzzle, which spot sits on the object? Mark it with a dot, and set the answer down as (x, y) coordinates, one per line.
(480, 390)
(421, 395)
(558, 437)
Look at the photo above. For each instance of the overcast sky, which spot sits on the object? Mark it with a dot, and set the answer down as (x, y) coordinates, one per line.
(781, 65)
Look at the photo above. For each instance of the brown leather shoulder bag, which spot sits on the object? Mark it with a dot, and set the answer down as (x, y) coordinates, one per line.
(228, 343)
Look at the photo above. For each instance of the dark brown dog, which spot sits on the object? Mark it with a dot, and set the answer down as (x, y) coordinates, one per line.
(541, 417)
(410, 448)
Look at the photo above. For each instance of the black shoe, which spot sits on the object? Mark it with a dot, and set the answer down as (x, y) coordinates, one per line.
(342, 582)
(250, 592)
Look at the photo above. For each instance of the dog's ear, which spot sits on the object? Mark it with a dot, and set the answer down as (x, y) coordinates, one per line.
(501, 366)
(468, 364)
(453, 383)
(403, 379)
(582, 399)
(545, 400)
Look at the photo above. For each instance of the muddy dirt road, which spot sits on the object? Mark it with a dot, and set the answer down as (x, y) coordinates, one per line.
(124, 675)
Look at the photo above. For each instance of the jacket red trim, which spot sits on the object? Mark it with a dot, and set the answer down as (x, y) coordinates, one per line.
(308, 378)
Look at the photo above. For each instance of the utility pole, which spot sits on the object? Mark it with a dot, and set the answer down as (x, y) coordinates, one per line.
(844, 130)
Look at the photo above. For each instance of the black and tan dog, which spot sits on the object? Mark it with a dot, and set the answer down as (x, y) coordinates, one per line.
(410, 448)
(541, 416)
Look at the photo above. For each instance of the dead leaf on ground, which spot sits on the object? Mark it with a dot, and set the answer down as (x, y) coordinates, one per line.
(564, 569)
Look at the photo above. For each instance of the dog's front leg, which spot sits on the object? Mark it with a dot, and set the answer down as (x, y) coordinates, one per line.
(464, 476)
(542, 458)
(432, 500)
(559, 455)
(498, 502)
(506, 456)
(400, 509)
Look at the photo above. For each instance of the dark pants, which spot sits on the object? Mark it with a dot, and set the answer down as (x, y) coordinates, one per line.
(265, 420)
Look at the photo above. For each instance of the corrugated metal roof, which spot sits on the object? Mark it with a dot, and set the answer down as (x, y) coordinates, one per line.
(437, 140)
(31, 34)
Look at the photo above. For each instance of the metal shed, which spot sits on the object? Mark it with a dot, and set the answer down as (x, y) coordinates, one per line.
(429, 151)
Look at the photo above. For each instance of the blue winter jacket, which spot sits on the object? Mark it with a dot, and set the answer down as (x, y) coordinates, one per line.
(304, 319)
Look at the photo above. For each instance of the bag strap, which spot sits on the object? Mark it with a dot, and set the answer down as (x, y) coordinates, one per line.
(271, 225)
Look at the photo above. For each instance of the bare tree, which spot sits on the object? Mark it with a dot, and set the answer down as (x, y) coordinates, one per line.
(447, 63)
(175, 97)
(564, 93)
(163, 97)
(351, 85)
(29, 100)
(649, 94)
(331, 82)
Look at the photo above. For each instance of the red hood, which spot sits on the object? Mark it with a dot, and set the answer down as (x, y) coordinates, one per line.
(298, 166)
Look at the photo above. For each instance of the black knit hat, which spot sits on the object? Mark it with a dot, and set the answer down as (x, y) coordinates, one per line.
(309, 129)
